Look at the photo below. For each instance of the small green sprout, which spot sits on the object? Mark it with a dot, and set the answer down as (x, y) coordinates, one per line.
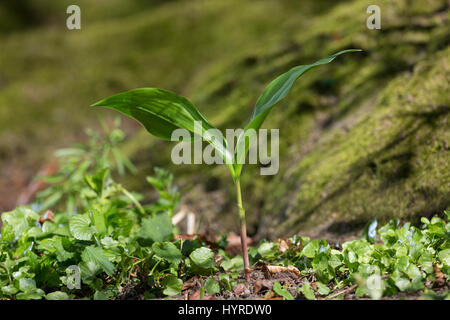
(161, 112)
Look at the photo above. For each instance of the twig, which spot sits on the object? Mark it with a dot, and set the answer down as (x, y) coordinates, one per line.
(345, 291)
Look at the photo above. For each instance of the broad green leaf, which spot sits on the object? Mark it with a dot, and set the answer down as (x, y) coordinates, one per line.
(97, 181)
(322, 289)
(281, 291)
(267, 249)
(203, 259)
(161, 112)
(27, 284)
(155, 229)
(57, 295)
(234, 264)
(311, 249)
(402, 283)
(272, 94)
(225, 281)
(99, 219)
(212, 286)
(101, 295)
(55, 245)
(97, 256)
(308, 291)
(31, 295)
(9, 290)
(172, 285)
(167, 251)
(444, 256)
(17, 222)
(80, 227)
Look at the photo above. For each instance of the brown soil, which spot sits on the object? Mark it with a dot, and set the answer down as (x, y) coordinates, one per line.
(260, 288)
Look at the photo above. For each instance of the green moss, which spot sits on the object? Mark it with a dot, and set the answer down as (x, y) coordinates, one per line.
(394, 162)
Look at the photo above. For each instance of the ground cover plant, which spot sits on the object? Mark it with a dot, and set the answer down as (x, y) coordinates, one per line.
(161, 112)
(126, 247)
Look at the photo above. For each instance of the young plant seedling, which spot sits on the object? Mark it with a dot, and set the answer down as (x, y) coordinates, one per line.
(161, 112)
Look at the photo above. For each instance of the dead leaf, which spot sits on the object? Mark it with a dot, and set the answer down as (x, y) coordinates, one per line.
(271, 270)
(234, 243)
(283, 247)
(269, 295)
(260, 284)
(187, 285)
(439, 281)
(48, 216)
(195, 295)
(239, 289)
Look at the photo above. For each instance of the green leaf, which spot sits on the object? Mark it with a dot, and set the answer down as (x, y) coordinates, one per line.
(311, 249)
(212, 286)
(370, 231)
(234, 264)
(100, 295)
(9, 290)
(97, 181)
(444, 256)
(32, 295)
(308, 291)
(267, 249)
(57, 295)
(17, 222)
(55, 245)
(98, 217)
(27, 284)
(281, 291)
(172, 285)
(96, 256)
(225, 281)
(80, 227)
(155, 229)
(167, 251)
(203, 259)
(273, 93)
(322, 289)
(161, 112)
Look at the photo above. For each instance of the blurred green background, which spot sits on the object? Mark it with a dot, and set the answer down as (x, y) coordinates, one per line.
(364, 137)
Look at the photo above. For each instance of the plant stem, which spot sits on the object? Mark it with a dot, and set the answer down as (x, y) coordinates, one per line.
(243, 230)
(132, 198)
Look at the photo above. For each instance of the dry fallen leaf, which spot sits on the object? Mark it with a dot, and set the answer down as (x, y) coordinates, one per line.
(195, 295)
(234, 243)
(48, 216)
(187, 285)
(283, 247)
(439, 281)
(271, 270)
(260, 284)
(269, 295)
(239, 289)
